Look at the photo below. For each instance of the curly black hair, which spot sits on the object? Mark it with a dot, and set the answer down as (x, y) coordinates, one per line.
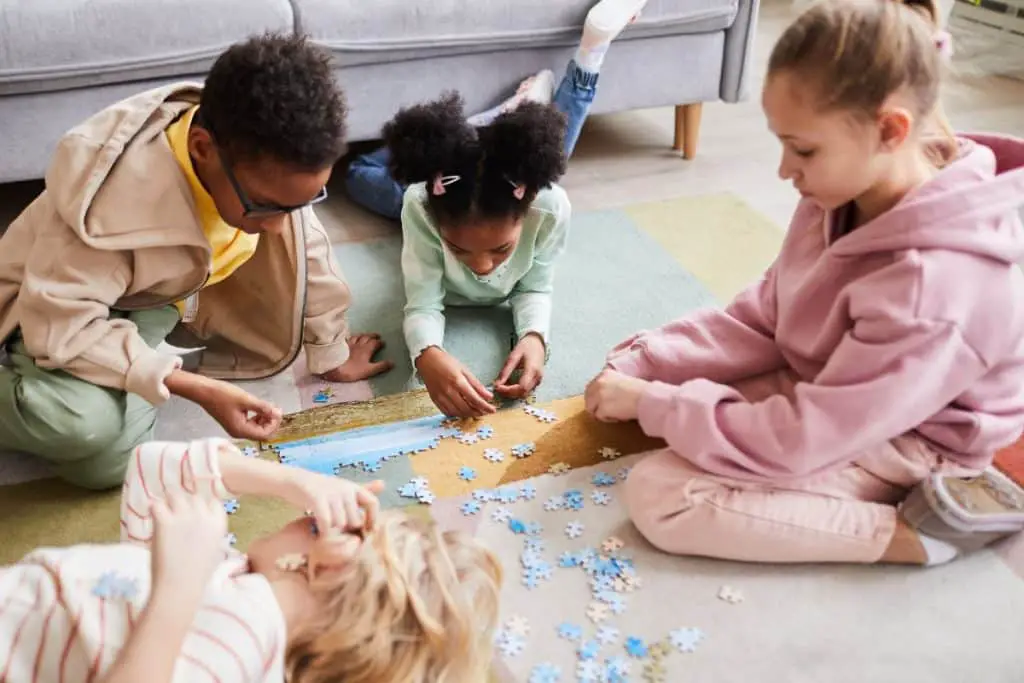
(522, 147)
(274, 95)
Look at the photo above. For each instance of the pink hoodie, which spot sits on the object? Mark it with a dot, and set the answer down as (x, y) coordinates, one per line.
(913, 322)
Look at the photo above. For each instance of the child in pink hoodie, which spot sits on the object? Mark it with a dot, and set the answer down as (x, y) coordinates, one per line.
(883, 348)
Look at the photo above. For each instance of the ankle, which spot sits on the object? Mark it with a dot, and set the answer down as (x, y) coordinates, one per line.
(905, 547)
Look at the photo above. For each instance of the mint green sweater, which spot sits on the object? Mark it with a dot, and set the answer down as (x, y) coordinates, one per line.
(434, 277)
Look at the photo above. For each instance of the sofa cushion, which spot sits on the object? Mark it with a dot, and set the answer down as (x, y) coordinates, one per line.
(362, 32)
(48, 45)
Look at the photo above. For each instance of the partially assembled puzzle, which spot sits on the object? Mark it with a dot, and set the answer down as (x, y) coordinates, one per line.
(483, 471)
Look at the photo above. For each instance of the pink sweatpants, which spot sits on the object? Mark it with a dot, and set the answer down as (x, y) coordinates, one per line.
(846, 515)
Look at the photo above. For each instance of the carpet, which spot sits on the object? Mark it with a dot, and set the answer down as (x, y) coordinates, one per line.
(624, 270)
(577, 603)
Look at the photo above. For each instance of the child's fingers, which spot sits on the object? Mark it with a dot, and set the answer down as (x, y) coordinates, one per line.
(470, 399)
(529, 379)
(510, 365)
(323, 515)
(478, 386)
(370, 506)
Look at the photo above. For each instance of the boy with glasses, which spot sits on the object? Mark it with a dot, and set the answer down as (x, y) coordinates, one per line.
(180, 214)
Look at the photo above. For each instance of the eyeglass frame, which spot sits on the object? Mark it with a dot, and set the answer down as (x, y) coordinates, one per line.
(251, 209)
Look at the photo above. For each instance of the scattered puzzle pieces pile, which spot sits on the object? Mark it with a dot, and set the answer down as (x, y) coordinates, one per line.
(418, 488)
(603, 653)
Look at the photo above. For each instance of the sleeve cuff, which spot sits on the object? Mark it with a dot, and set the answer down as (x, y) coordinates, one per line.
(147, 376)
(630, 363)
(322, 358)
(655, 400)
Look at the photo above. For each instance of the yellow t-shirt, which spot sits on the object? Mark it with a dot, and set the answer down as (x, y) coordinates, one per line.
(230, 246)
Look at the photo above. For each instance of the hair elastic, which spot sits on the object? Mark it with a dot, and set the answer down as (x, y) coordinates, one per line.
(518, 189)
(944, 43)
(443, 181)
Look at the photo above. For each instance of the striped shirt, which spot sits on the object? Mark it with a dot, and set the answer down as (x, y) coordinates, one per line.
(66, 613)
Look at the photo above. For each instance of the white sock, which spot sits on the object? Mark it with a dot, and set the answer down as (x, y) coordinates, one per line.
(605, 21)
(938, 551)
(591, 59)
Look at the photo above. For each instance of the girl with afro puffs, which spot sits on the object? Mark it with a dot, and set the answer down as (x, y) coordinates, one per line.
(483, 223)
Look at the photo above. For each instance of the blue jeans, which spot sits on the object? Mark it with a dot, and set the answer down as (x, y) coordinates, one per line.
(369, 181)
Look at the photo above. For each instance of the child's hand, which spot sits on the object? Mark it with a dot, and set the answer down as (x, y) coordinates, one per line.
(188, 543)
(451, 386)
(528, 358)
(613, 396)
(360, 364)
(242, 415)
(335, 503)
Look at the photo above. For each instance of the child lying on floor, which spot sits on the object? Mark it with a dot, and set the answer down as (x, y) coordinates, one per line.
(344, 594)
(883, 351)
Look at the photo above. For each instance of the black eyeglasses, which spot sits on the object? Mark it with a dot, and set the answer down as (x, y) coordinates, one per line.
(251, 209)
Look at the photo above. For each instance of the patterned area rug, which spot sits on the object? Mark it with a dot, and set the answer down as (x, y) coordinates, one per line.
(585, 598)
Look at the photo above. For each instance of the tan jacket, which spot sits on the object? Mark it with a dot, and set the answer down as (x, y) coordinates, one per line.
(116, 228)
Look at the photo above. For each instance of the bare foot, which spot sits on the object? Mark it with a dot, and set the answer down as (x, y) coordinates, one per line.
(360, 364)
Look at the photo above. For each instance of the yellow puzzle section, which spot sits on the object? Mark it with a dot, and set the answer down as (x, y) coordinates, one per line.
(575, 439)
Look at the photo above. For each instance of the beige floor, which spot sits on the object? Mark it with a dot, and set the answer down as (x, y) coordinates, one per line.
(627, 158)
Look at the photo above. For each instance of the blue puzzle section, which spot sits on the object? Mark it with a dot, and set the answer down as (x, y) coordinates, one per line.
(366, 448)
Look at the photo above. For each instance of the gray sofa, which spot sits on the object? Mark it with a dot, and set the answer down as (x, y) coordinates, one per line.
(61, 60)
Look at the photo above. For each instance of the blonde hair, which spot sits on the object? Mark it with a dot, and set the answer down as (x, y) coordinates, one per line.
(858, 53)
(413, 604)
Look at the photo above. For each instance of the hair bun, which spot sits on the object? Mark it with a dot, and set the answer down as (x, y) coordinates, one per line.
(430, 139)
(526, 145)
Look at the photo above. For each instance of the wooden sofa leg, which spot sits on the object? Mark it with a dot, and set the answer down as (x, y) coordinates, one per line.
(687, 129)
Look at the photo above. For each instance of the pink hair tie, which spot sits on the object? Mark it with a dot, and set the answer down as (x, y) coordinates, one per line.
(944, 43)
(441, 182)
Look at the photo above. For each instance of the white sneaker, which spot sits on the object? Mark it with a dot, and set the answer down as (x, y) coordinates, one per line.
(541, 88)
(607, 19)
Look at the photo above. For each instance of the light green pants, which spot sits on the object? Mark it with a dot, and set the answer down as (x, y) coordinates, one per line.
(86, 432)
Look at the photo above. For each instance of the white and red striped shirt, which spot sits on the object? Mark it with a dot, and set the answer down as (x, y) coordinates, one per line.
(66, 613)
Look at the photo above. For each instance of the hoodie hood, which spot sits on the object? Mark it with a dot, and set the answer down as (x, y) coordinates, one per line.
(114, 180)
(969, 206)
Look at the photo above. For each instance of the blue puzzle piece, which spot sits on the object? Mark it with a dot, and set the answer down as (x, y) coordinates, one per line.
(568, 560)
(467, 473)
(113, 586)
(517, 526)
(470, 507)
(545, 673)
(636, 647)
(533, 545)
(603, 479)
(569, 631)
(483, 495)
(589, 649)
(507, 494)
(530, 559)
